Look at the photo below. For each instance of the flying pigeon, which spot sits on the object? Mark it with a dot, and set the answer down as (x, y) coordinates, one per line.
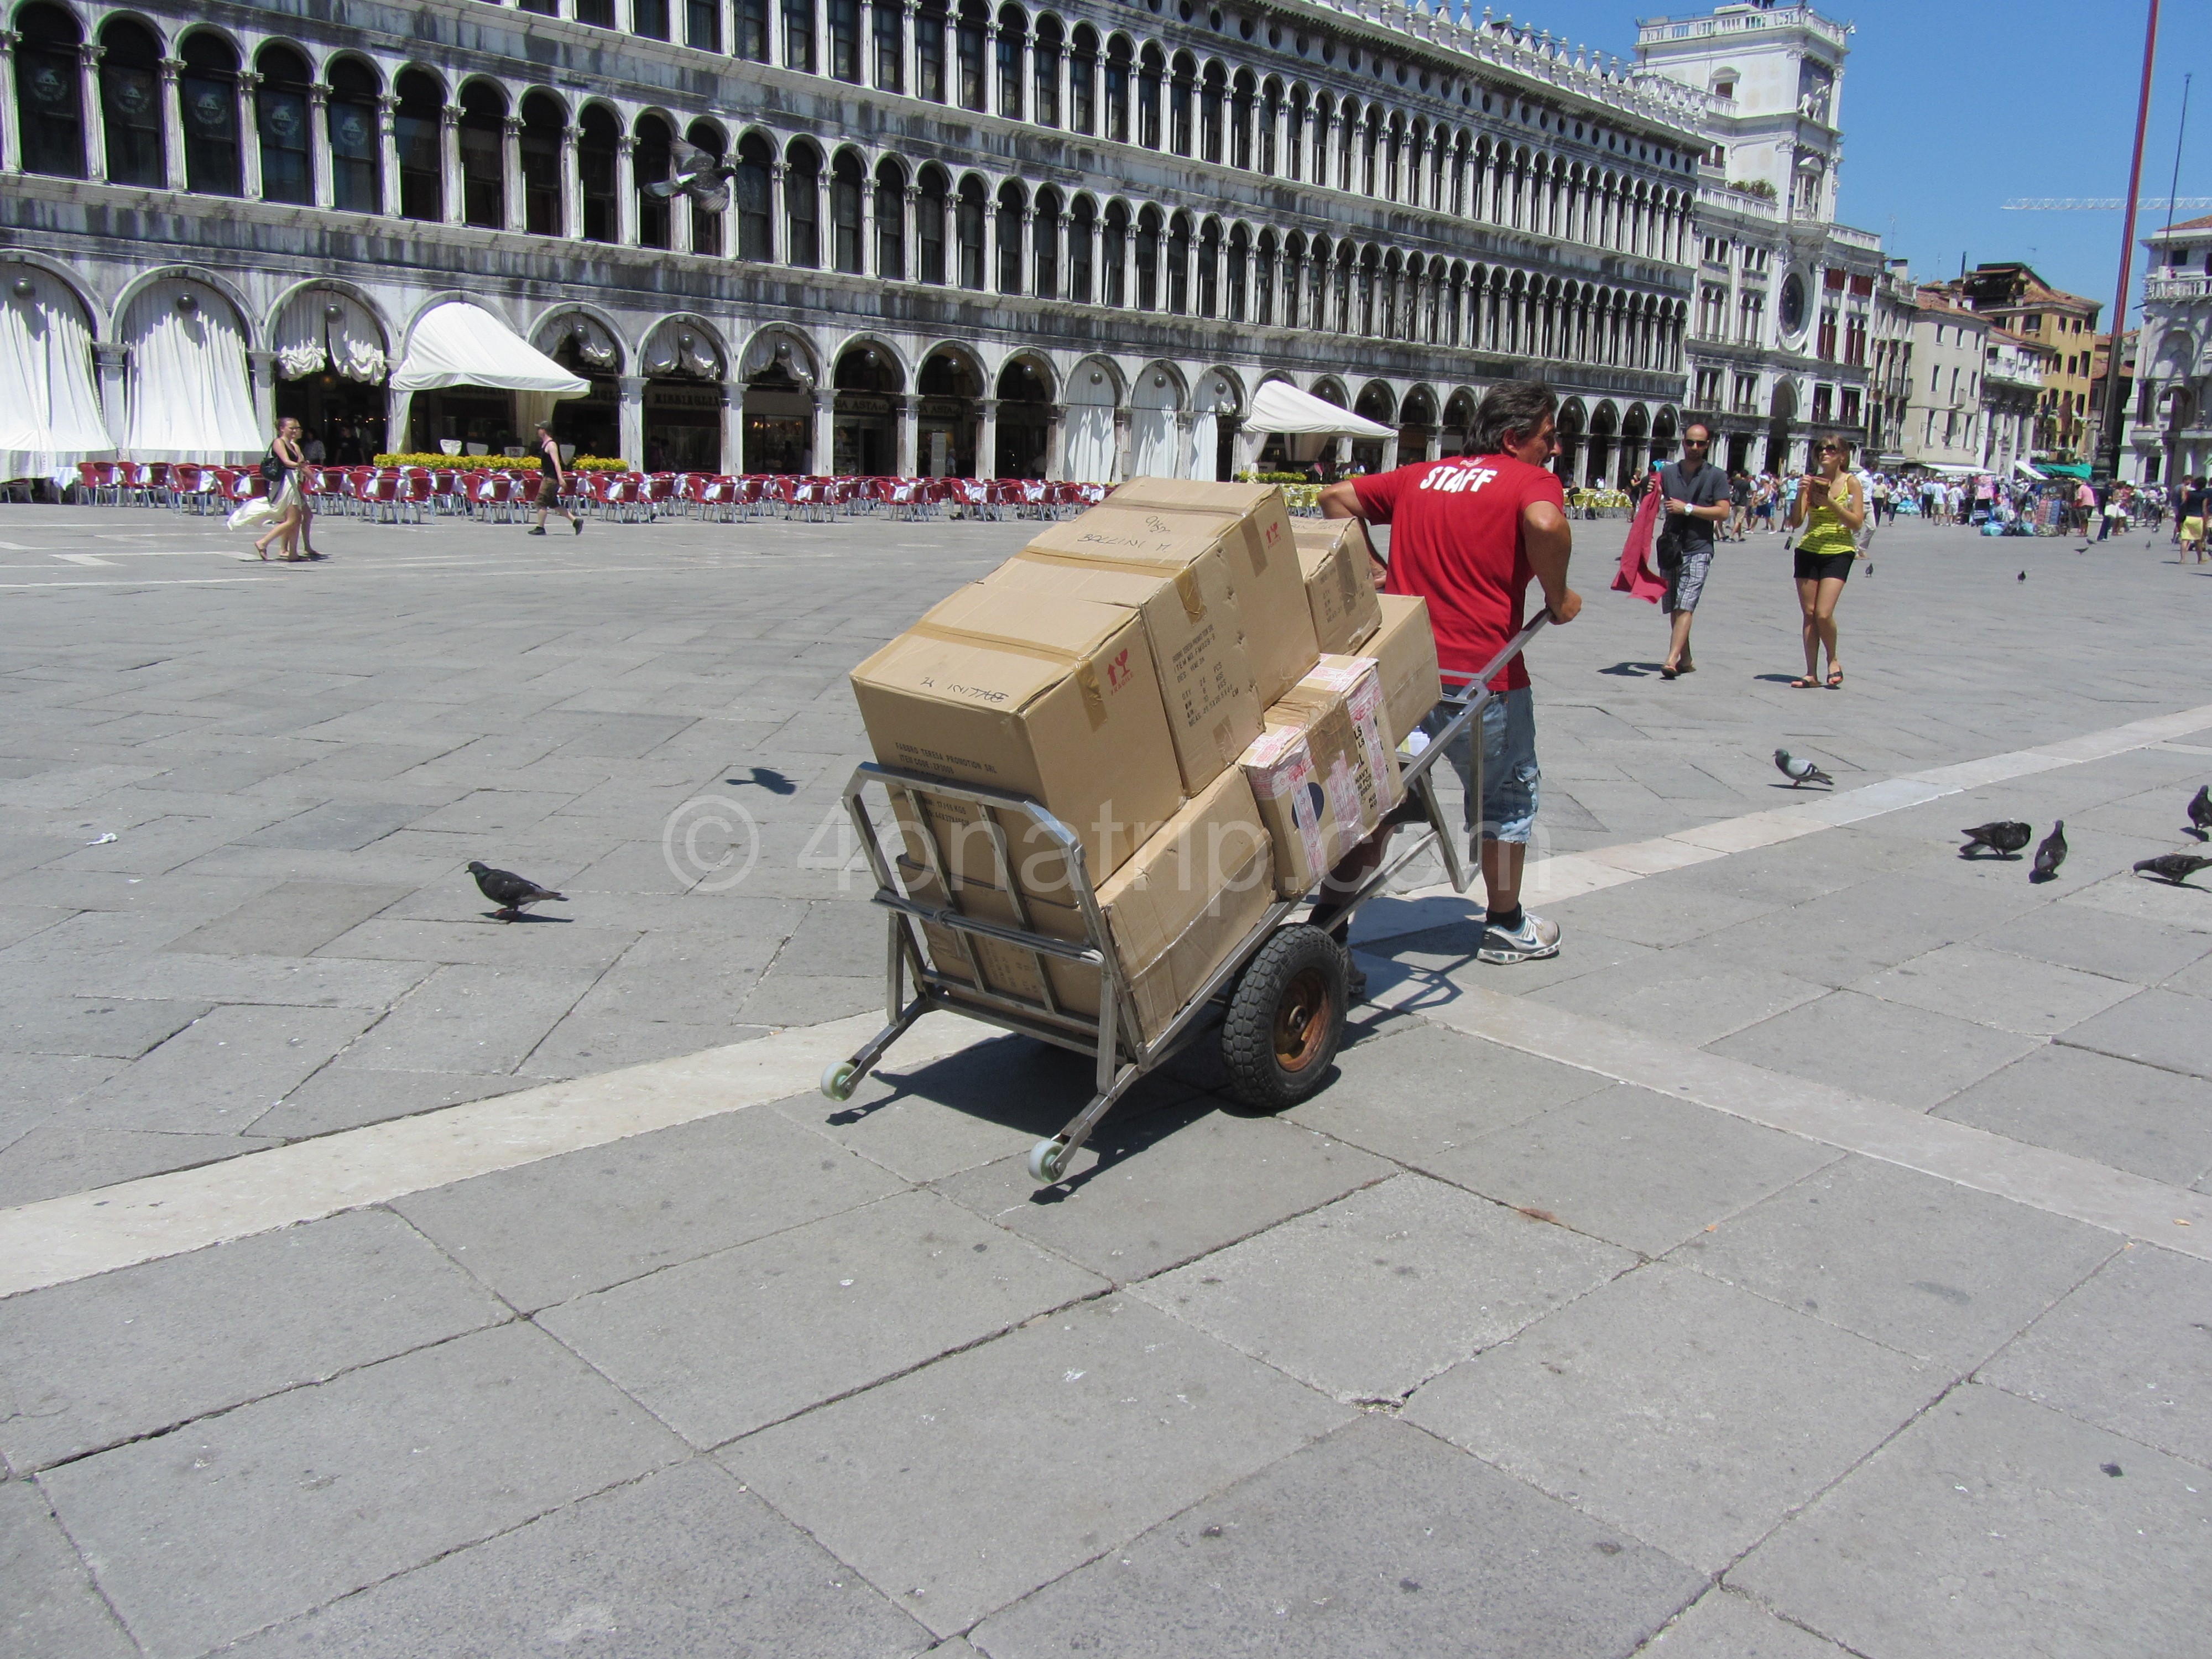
(1800, 771)
(2051, 854)
(2175, 867)
(2006, 836)
(510, 891)
(699, 173)
(2200, 811)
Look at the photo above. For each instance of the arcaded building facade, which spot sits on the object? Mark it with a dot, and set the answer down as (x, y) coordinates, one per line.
(958, 238)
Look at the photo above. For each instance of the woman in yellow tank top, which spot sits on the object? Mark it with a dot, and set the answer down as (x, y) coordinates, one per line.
(1831, 507)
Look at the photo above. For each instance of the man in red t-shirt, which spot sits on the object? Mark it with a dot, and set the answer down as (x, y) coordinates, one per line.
(1468, 535)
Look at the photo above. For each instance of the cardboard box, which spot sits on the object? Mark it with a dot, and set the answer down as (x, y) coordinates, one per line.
(1405, 650)
(1053, 699)
(1175, 520)
(1336, 562)
(1205, 675)
(1322, 773)
(1175, 910)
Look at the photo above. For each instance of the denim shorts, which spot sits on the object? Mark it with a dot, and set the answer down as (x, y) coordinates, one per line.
(1510, 774)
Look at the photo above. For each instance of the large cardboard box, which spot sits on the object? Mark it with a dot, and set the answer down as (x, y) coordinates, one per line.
(1175, 910)
(1198, 645)
(1050, 698)
(1322, 773)
(1175, 521)
(1404, 648)
(1335, 558)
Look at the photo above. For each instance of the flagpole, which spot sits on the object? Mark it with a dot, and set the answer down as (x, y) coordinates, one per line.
(2115, 404)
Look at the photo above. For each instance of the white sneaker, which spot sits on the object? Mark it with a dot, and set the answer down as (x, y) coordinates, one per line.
(1534, 939)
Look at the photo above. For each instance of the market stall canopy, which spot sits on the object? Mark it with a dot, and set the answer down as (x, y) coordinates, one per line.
(456, 344)
(2062, 470)
(1281, 407)
(2022, 469)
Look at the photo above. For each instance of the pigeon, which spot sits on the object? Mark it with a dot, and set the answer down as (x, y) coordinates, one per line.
(699, 173)
(1800, 771)
(2174, 867)
(2050, 854)
(2200, 811)
(768, 779)
(510, 891)
(2006, 836)
(2023, 576)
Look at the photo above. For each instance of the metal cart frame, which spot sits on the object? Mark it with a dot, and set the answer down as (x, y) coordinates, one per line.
(1111, 1037)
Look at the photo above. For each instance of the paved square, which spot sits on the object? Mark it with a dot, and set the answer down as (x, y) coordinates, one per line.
(1811, 1259)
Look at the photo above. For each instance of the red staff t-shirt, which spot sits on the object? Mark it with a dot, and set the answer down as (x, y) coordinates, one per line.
(1455, 541)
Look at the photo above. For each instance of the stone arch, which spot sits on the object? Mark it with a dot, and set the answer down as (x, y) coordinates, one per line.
(182, 273)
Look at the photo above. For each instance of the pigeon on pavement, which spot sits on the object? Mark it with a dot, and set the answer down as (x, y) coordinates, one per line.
(2023, 575)
(2006, 836)
(2200, 811)
(1800, 771)
(2175, 867)
(2051, 854)
(510, 891)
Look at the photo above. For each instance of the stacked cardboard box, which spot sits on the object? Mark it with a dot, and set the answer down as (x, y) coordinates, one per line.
(1337, 563)
(1323, 772)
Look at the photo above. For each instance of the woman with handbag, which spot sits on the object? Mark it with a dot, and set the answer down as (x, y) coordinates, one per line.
(280, 470)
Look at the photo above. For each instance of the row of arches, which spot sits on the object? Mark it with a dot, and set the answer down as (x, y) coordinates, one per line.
(399, 140)
(680, 391)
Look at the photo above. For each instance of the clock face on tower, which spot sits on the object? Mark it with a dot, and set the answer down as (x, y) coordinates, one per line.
(1793, 304)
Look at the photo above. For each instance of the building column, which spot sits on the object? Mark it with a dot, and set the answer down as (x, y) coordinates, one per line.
(572, 186)
(1282, 126)
(449, 164)
(110, 363)
(1063, 84)
(1063, 271)
(910, 228)
(990, 60)
(321, 190)
(908, 64)
(629, 417)
(1055, 436)
(249, 138)
(1120, 443)
(626, 190)
(679, 220)
(822, 55)
(1434, 450)
(909, 418)
(824, 458)
(510, 167)
(11, 131)
(95, 130)
(1027, 273)
(733, 427)
(871, 242)
(262, 365)
(779, 233)
(986, 437)
(1186, 419)
(1390, 453)
(387, 139)
(1129, 267)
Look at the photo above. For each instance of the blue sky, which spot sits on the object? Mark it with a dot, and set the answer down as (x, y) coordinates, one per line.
(1951, 109)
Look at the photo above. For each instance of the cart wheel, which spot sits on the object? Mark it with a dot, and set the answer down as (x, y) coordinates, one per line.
(1285, 1019)
(838, 1078)
(1048, 1162)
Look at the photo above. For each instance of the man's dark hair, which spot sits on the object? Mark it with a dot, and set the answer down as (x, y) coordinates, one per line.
(1689, 427)
(1510, 407)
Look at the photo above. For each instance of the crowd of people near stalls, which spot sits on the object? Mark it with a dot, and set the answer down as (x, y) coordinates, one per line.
(2057, 505)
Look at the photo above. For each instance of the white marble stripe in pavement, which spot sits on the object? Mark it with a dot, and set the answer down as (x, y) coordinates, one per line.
(1570, 875)
(60, 1239)
(2057, 1182)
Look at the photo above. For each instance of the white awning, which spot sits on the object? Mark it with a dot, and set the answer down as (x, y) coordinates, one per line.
(456, 344)
(50, 416)
(1281, 407)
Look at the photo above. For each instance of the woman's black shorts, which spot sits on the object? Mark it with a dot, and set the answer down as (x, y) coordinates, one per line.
(1823, 567)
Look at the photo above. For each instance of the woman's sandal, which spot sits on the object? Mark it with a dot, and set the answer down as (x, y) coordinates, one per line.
(1835, 679)
(1805, 682)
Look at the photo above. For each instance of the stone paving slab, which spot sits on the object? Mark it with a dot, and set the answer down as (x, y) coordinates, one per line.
(48, 1609)
(929, 1483)
(1726, 1625)
(1380, 1540)
(205, 1535)
(1991, 1527)
(2155, 1122)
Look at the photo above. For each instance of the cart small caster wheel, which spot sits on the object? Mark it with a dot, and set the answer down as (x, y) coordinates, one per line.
(1048, 1162)
(838, 1078)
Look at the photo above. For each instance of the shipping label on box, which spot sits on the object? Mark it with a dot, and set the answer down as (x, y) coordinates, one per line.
(1334, 559)
(1251, 520)
(1054, 700)
(1211, 701)
(1293, 804)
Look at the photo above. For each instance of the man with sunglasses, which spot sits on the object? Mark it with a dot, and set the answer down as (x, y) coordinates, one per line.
(1697, 499)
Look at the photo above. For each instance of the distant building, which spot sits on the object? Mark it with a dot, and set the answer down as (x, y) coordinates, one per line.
(2016, 300)
(2171, 437)
(1943, 427)
(1782, 321)
(2012, 398)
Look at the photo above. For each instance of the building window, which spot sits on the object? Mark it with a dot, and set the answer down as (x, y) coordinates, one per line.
(131, 104)
(890, 64)
(1113, 256)
(890, 220)
(1010, 238)
(1824, 404)
(1148, 99)
(357, 153)
(1179, 95)
(1178, 259)
(210, 90)
(1082, 228)
(649, 18)
(846, 182)
(1082, 91)
(752, 195)
(973, 90)
(1747, 394)
(599, 14)
(1827, 347)
(1851, 413)
(702, 24)
(541, 165)
(845, 40)
(415, 130)
(1148, 259)
(968, 230)
(799, 34)
(1011, 34)
(1709, 389)
(1044, 78)
(597, 140)
(49, 100)
(753, 31)
(802, 189)
(280, 117)
(929, 227)
(929, 24)
(1044, 233)
(483, 160)
(1117, 91)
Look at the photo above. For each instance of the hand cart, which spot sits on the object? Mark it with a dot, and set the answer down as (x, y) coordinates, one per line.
(1279, 997)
